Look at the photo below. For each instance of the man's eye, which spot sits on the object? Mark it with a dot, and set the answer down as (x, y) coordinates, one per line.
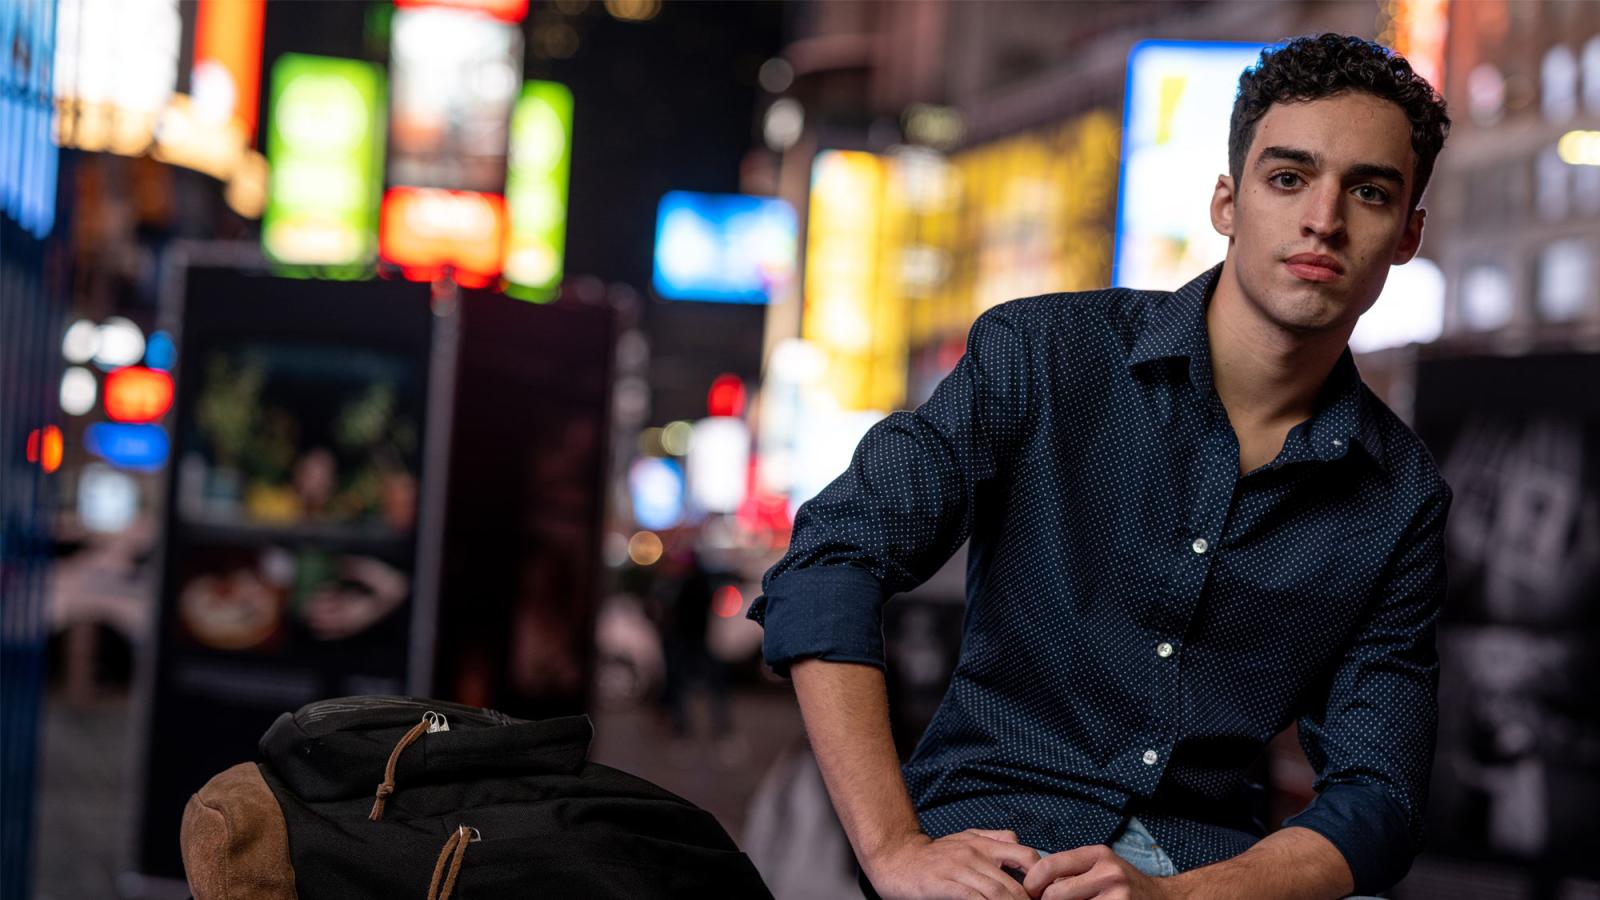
(1284, 180)
(1370, 194)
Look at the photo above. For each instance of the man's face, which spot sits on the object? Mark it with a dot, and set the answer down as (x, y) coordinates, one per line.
(1320, 211)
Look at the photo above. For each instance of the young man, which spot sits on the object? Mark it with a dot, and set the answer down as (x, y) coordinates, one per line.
(1191, 524)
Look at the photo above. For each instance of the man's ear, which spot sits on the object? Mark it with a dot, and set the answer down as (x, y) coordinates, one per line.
(1411, 241)
(1222, 206)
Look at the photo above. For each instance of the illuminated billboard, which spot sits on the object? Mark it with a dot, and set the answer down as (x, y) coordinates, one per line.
(1178, 101)
(427, 232)
(536, 190)
(859, 327)
(324, 140)
(730, 248)
(29, 161)
(116, 66)
(455, 76)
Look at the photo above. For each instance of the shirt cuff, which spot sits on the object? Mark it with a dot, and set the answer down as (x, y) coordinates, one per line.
(1367, 827)
(828, 612)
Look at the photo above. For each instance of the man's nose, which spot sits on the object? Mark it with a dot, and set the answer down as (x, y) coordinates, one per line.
(1323, 214)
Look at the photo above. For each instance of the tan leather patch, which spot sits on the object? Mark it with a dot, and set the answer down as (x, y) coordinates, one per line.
(235, 843)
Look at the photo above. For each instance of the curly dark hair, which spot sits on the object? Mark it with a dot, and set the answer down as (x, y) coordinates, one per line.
(1311, 68)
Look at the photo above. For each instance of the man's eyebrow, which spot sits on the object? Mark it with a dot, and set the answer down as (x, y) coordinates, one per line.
(1290, 154)
(1312, 160)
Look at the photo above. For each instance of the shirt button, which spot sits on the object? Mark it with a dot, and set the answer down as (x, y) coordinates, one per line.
(1200, 545)
(1163, 649)
(1338, 442)
(1149, 757)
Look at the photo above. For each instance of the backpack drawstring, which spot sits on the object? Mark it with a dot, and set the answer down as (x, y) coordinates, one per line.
(386, 787)
(454, 849)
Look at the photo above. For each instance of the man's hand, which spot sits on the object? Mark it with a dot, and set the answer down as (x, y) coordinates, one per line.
(965, 866)
(1091, 872)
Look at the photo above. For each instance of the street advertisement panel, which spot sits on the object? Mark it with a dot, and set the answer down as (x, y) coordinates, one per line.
(291, 523)
(536, 190)
(729, 248)
(1517, 773)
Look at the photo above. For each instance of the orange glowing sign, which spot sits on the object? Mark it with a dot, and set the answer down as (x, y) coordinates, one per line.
(505, 10)
(425, 230)
(138, 394)
(45, 447)
(227, 61)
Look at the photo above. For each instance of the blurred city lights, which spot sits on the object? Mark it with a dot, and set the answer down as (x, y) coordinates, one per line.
(935, 126)
(675, 437)
(120, 343)
(536, 190)
(726, 397)
(138, 394)
(81, 342)
(108, 500)
(775, 75)
(116, 67)
(783, 124)
(1579, 148)
(46, 447)
(1409, 311)
(423, 230)
(160, 352)
(226, 79)
(650, 443)
(29, 161)
(128, 446)
(246, 192)
(644, 548)
(78, 391)
(866, 365)
(718, 464)
(505, 10)
(325, 141)
(655, 486)
(633, 10)
(1179, 98)
(731, 248)
(727, 602)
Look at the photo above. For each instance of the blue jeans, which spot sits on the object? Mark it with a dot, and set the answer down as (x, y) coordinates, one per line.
(1139, 848)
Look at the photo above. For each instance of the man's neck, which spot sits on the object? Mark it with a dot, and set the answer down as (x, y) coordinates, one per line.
(1265, 375)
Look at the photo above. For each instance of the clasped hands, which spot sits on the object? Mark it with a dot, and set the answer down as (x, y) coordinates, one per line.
(971, 865)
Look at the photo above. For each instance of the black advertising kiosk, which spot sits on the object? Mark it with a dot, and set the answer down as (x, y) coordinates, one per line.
(290, 566)
(375, 487)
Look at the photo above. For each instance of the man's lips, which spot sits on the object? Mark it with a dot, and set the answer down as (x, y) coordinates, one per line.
(1314, 266)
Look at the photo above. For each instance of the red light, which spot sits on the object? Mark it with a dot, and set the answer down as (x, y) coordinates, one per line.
(426, 229)
(46, 447)
(138, 394)
(505, 10)
(728, 602)
(726, 397)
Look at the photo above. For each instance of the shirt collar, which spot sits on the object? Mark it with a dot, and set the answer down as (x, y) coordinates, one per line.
(1175, 328)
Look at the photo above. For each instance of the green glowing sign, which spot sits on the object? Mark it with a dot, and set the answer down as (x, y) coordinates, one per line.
(536, 190)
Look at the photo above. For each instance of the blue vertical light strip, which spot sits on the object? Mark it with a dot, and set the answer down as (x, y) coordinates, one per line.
(30, 329)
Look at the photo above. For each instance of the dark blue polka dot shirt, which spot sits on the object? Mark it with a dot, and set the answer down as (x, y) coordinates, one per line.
(1141, 619)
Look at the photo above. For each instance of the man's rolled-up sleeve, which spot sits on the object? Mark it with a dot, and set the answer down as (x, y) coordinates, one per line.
(1371, 741)
(899, 511)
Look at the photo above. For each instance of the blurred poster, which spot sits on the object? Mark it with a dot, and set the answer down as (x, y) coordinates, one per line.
(1518, 769)
(290, 566)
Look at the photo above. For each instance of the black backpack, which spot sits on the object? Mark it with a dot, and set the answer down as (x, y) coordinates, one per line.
(397, 797)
